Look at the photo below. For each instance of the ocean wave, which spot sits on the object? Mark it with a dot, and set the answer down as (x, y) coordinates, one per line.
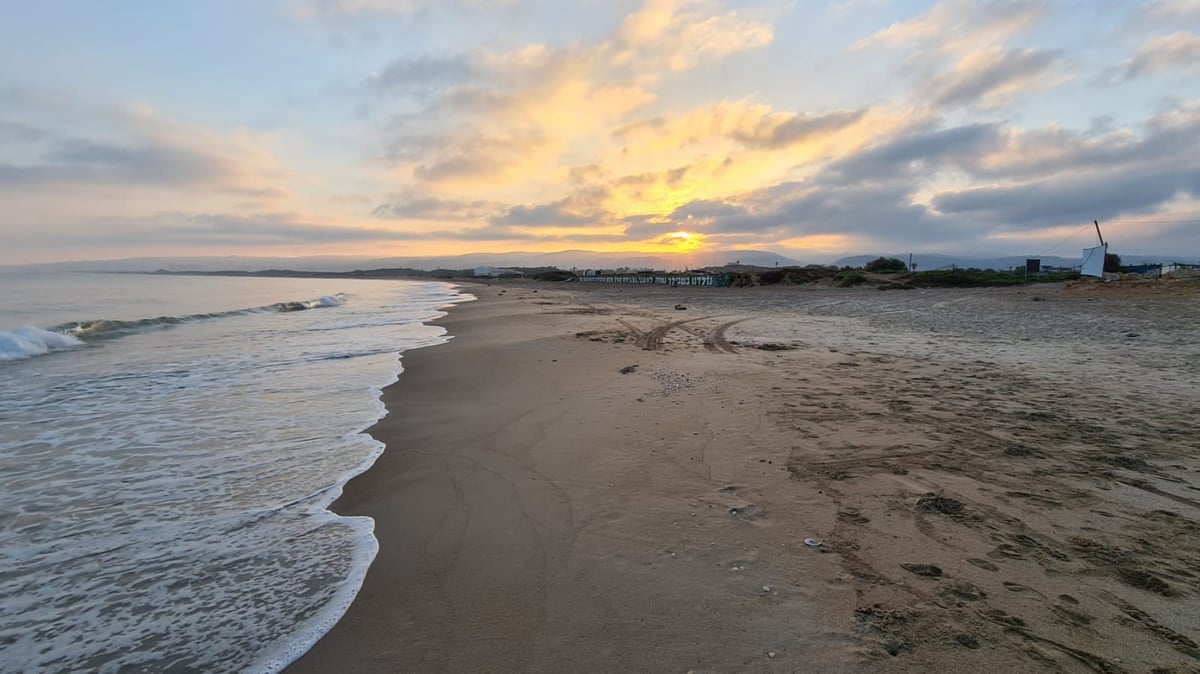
(326, 301)
(29, 341)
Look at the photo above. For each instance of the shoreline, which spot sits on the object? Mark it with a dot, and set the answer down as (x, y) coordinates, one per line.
(352, 503)
(589, 479)
(496, 442)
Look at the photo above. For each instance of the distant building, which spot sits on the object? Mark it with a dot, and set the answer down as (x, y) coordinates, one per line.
(1179, 269)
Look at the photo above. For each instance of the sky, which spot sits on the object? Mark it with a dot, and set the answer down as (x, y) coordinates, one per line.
(811, 128)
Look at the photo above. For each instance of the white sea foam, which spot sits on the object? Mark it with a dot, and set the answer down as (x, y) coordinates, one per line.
(29, 341)
(163, 496)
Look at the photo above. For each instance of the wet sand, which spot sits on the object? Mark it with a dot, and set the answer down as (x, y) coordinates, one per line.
(587, 479)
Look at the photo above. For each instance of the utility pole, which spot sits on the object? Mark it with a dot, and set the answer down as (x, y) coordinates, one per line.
(1098, 234)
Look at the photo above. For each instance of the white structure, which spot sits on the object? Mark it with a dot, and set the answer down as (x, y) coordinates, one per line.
(1093, 261)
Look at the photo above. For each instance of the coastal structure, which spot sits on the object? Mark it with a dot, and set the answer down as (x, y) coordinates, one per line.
(688, 279)
(1093, 258)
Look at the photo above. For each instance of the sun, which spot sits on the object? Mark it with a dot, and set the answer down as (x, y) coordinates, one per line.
(682, 240)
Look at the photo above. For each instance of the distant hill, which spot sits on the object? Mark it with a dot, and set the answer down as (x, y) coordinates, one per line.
(929, 262)
(565, 259)
(579, 259)
(588, 259)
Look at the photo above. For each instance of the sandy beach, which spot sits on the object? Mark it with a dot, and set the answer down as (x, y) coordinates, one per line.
(589, 479)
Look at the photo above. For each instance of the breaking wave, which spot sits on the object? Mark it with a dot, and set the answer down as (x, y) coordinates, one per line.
(29, 341)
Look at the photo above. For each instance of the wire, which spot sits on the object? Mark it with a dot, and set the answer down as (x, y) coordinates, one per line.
(1121, 222)
(1081, 231)
(1154, 222)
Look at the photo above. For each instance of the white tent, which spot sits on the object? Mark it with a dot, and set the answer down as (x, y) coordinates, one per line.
(1093, 261)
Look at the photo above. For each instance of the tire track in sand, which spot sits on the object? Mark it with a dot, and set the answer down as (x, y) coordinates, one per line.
(652, 340)
(716, 342)
(638, 335)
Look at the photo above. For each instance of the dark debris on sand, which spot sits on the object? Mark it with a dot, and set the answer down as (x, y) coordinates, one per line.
(944, 505)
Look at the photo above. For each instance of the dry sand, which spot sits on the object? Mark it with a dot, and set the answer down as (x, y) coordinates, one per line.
(1000, 480)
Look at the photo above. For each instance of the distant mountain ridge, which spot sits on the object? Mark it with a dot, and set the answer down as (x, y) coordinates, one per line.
(568, 259)
(565, 259)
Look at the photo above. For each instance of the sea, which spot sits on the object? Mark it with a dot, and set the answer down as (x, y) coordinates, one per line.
(169, 449)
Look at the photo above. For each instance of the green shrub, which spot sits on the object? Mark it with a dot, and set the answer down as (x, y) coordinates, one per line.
(555, 275)
(770, 278)
(845, 279)
(885, 264)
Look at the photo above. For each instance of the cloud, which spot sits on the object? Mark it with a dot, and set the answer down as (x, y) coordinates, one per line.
(223, 230)
(267, 228)
(619, 123)
(147, 163)
(751, 125)
(17, 132)
(1075, 199)
(588, 173)
(800, 210)
(758, 127)
(436, 209)
(1167, 12)
(350, 198)
(493, 159)
(992, 77)
(915, 152)
(507, 117)
(686, 33)
(88, 167)
(1060, 176)
(333, 10)
(309, 10)
(1169, 138)
(959, 26)
(728, 147)
(292, 229)
(137, 147)
(471, 164)
(558, 213)
(970, 36)
(1178, 50)
(797, 128)
(843, 8)
(1011, 183)
(421, 74)
(893, 191)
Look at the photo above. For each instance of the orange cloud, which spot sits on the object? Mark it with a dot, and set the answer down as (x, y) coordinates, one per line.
(528, 116)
